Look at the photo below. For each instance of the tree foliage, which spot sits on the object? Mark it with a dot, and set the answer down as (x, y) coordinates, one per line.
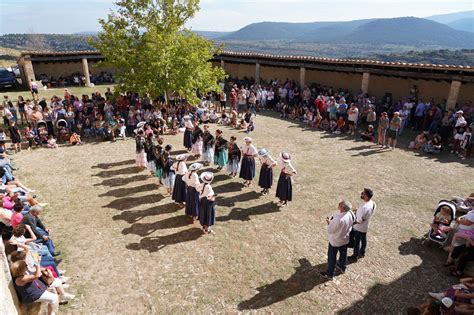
(153, 52)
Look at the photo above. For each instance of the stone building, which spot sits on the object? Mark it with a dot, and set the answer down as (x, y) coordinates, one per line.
(445, 83)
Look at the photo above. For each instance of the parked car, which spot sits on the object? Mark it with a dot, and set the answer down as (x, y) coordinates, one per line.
(7, 79)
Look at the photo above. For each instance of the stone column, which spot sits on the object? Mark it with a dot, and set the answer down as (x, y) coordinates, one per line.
(302, 77)
(257, 73)
(453, 94)
(85, 71)
(28, 72)
(365, 82)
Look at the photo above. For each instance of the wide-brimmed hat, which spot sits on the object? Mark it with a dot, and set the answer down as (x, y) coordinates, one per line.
(207, 177)
(181, 157)
(195, 166)
(447, 302)
(460, 112)
(285, 157)
(263, 152)
(247, 139)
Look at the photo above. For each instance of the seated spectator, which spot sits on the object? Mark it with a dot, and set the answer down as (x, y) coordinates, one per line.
(461, 294)
(441, 222)
(38, 228)
(463, 254)
(332, 125)
(420, 140)
(75, 139)
(433, 146)
(324, 125)
(52, 143)
(243, 124)
(213, 118)
(368, 134)
(341, 123)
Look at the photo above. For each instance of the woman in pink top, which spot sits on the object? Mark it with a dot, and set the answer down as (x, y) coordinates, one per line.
(17, 215)
(7, 202)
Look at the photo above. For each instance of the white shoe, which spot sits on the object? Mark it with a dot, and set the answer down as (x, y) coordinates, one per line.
(43, 204)
(62, 271)
(64, 279)
(67, 297)
(66, 286)
(437, 296)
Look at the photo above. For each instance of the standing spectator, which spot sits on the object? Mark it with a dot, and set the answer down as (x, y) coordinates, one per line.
(363, 214)
(382, 128)
(339, 228)
(15, 136)
(393, 130)
(353, 117)
(419, 115)
(34, 89)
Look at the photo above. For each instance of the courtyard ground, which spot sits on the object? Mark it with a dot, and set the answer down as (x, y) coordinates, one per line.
(130, 250)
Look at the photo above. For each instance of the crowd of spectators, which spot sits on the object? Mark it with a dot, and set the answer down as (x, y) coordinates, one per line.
(75, 79)
(29, 245)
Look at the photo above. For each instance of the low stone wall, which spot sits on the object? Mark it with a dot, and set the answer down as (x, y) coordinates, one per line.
(8, 299)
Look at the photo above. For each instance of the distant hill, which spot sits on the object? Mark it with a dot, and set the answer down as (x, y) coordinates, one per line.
(212, 35)
(451, 17)
(53, 42)
(405, 30)
(463, 57)
(466, 24)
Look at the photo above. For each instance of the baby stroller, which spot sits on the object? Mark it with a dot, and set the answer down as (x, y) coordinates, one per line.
(441, 239)
(63, 130)
(42, 135)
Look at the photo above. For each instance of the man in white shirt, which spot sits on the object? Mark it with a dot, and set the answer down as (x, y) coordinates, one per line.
(339, 228)
(363, 214)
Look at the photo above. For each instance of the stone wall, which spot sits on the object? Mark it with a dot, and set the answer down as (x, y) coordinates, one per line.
(8, 299)
(351, 81)
(65, 69)
(270, 73)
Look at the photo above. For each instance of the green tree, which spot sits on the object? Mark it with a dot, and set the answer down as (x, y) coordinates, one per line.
(153, 52)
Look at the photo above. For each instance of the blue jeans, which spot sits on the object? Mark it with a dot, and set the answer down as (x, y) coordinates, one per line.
(360, 243)
(252, 109)
(332, 258)
(49, 243)
(47, 261)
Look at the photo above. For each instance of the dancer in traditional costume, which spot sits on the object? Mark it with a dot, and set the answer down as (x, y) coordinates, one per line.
(208, 142)
(220, 150)
(191, 179)
(207, 211)
(233, 163)
(149, 152)
(197, 140)
(179, 189)
(265, 179)
(188, 133)
(169, 174)
(140, 158)
(247, 168)
(284, 190)
(157, 153)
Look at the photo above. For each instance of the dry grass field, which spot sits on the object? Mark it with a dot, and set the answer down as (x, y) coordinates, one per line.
(130, 250)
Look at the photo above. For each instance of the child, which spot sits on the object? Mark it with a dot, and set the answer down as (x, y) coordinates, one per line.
(140, 159)
(213, 117)
(169, 174)
(43, 135)
(317, 120)
(466, 143)
(251, 126)
(340, 125)
(30, 136)
(174, 127)
(333, 125)
(75, 139)
(441, 223)
(52, 143)
(243, 124)
(368, 134)
(324, 125)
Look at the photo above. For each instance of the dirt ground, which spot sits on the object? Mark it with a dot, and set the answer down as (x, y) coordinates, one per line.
(130, 250)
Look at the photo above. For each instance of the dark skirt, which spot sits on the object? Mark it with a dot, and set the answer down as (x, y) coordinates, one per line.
(188, 139)
(179, 189)
(207, 212)
(192, 202)
(247, 168)
(284, 189)
(265, 180)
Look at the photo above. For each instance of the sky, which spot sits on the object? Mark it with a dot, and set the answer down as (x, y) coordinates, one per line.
(71, 16)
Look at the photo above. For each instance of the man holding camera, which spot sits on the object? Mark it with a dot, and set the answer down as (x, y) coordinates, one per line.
(339, 228)
(363, 215)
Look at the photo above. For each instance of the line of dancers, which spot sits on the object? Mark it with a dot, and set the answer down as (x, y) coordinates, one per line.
(193, 191)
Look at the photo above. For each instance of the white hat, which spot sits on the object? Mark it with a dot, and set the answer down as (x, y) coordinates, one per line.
(263, 152)
(195, 166)
(247, 139)
(181, 157)
(447, 302)
(460, 112)
(207, 177)
(285, 157)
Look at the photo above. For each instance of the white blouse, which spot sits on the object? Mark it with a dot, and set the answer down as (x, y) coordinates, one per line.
(267, 160)
(188, 124)
(183, 169)
(205, 190)
(193, 181)
(288, 169)
(249, 150)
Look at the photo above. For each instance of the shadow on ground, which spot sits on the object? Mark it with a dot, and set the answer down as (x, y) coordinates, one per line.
(156, 243)
(123, 192)
(105, 166)
(123, 171)
(305, 278)
(133, 216)
(145, 229)
(242, 214)
(126, 203)
(409, 290)
(116, 182)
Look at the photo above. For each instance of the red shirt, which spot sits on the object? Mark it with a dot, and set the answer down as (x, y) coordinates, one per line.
(319, 105)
